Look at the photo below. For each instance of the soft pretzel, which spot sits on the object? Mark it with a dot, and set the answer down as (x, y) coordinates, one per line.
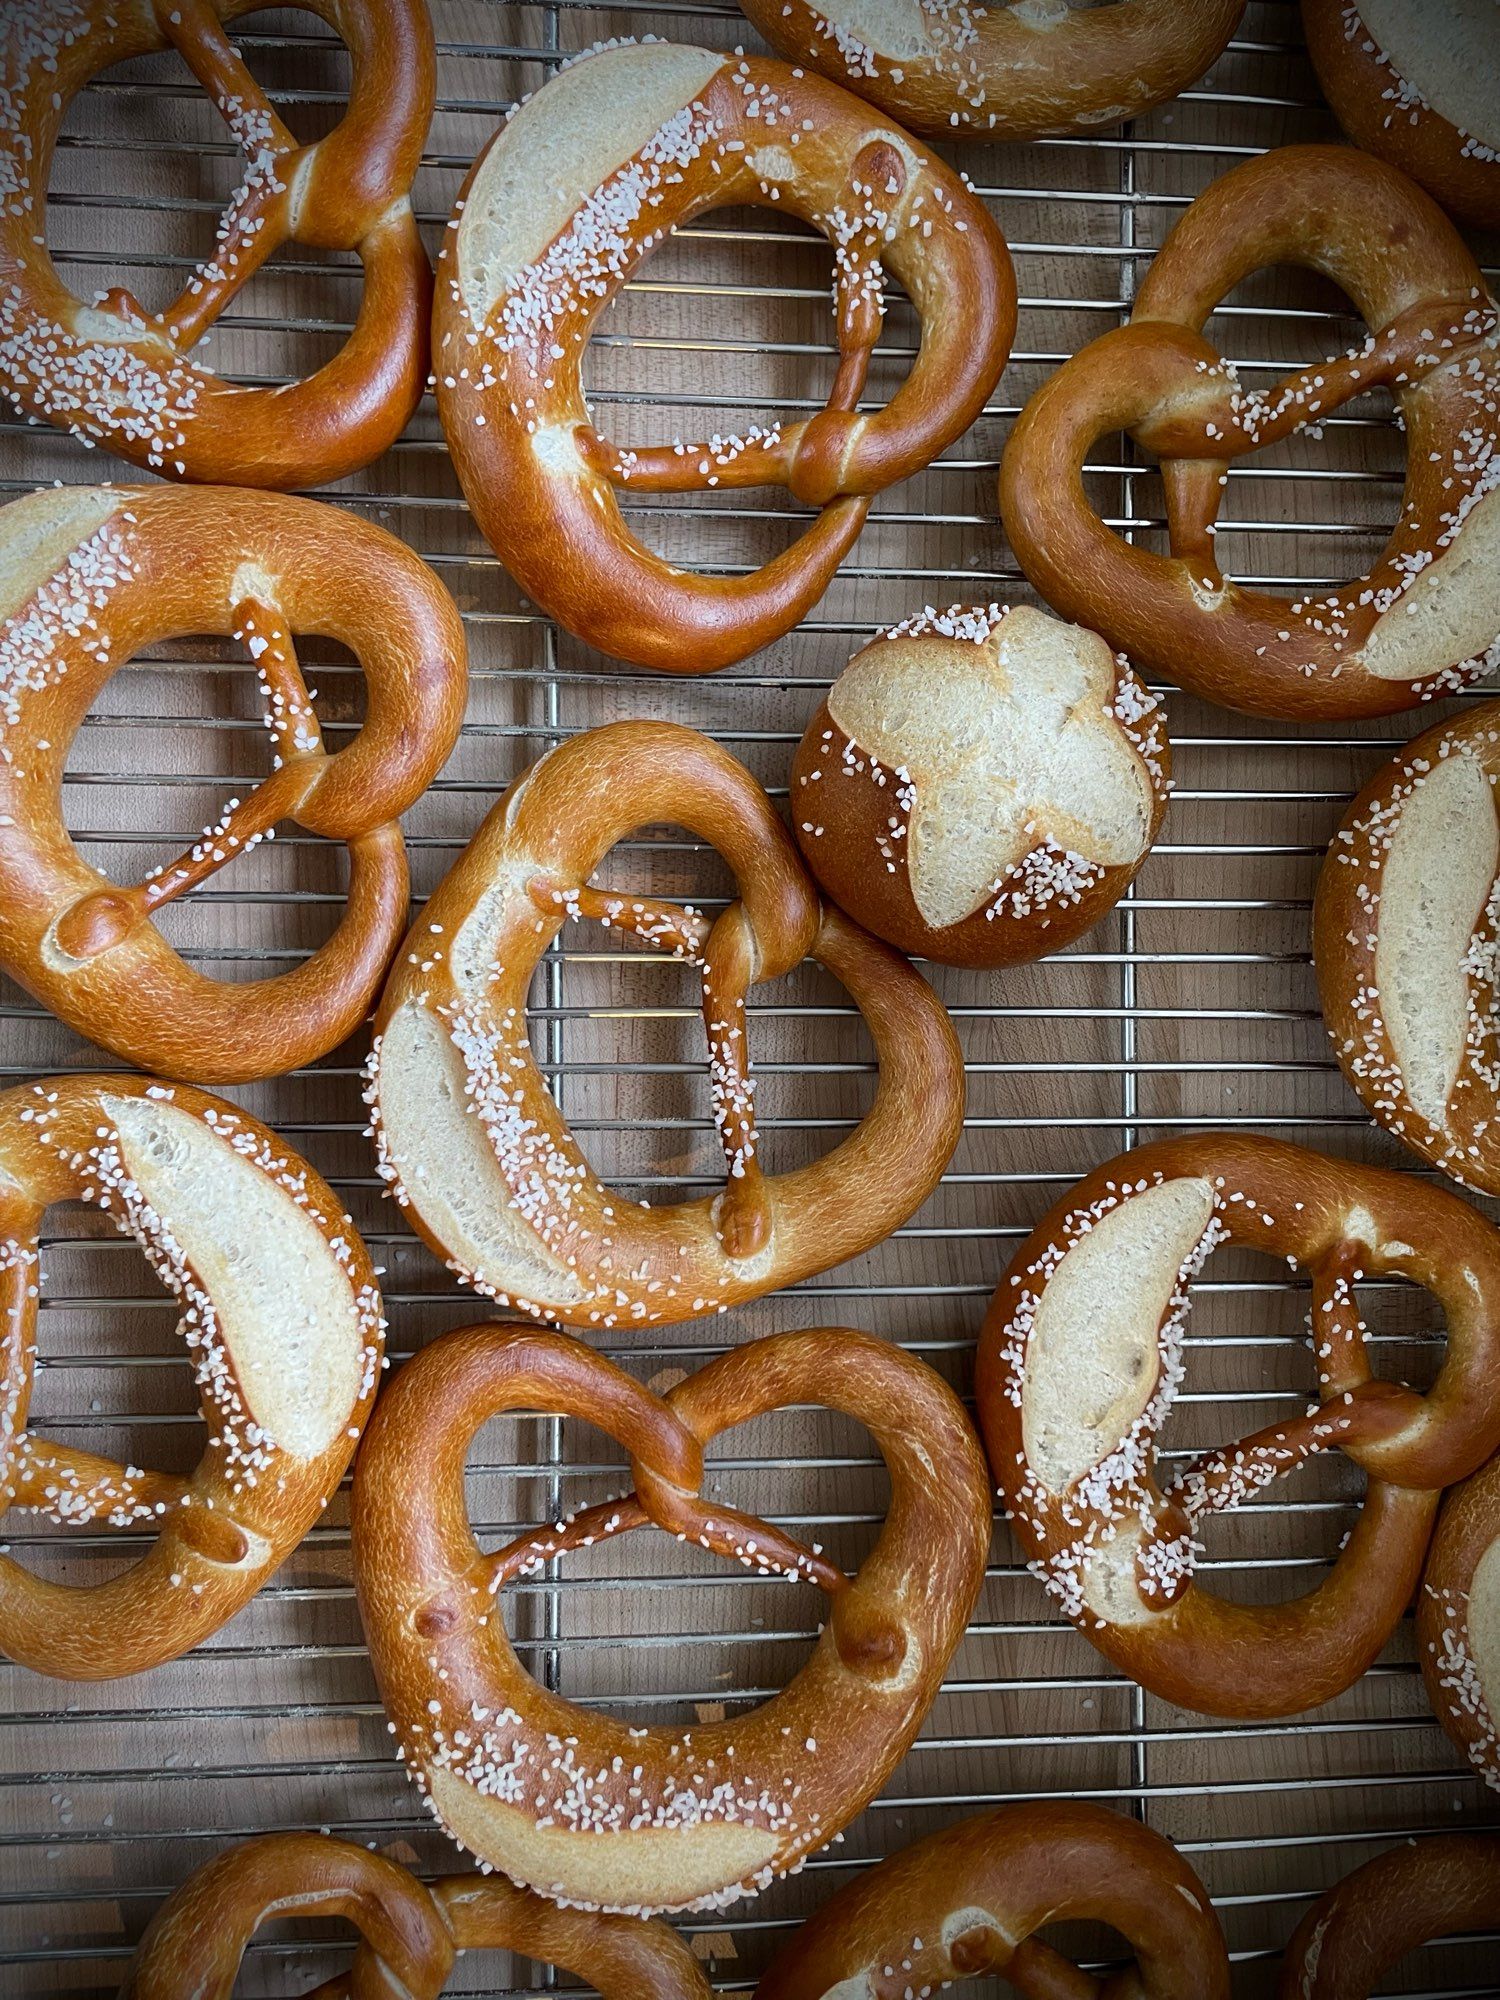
(1426, 617)
(569, 1801)
(1418, 86)
(965, 1904)
(1406, 941)
(471, 1138)
(89, 576)
(1079, 1365)
(114, 373)
(1458, 1620)
(1411, 1894)
(410, 1932)
(970, 71)
(281, 1317)
(981, 785)
(564, 205)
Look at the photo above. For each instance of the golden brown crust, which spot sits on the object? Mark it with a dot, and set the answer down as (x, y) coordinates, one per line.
(1115, 1547)
(113, 373)
(853, 811)
(511, 327)
(1423, 1889)
(1457, 1636)
(281, 1315)
(1386, 114)
(100, 574)
(506, 1195)
(1354, 920)
(966, 1903)
(569, 1801)
(990, 72)
(1411, 628)
(410, 1932)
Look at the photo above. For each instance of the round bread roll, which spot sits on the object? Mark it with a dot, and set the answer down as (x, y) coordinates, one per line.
(981, 784)
(1418, 85)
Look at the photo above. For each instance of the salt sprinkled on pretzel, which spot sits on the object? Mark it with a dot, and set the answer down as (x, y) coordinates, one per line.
(981, 784)
(1080, 1362)
(561, 209)
(115, 374)
(1458, 1620)
(1406, 941)
(589, 1811)
(279, 1312)
(966, 1904)
(89, 576)
(1425, 619)
(949, 69)
(473, 1143)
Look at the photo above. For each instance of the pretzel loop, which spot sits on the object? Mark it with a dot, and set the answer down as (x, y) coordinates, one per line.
(280, 1315)
(1080, 1363)
(575, 1804)
(1421, 622)
(115, 373)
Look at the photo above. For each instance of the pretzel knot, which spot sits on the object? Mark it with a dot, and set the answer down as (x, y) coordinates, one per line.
(564, 205)
(1081, 1359)
(1425, 618)
(1439, 1886)
(965, 1903)
(111, 371)
(282, 1320)
(471, 1138)
(1406, 942)
(568, 1801)
(90, 576)
(409, 1932)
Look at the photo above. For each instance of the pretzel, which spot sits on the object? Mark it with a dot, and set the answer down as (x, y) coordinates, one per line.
(568, 1801)
(1407, 1896)
(1079, 1365)
(90, 576)
(1425, 618)
(1458, 1620)
(981, 785)
(561, 210)
(410, 1932)
(970, 71)
(473, 1142)
(965, 1904)
(116, 374)
(281, 1318)
(1406, 942)
(1417, 86)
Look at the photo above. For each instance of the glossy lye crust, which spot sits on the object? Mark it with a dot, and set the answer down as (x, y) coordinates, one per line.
(282, 1319)
(1438, 1886)
(472, 1140)
(568, 1801)
(995, 72)
(1406, 923)
(965, 1903)
(410, 1932)
(562, 208)
(1386, 112)
(91, 576)
(117, 375)
(1458, 1620)
(953, 738)
(1079, 1364)
(1425, 618)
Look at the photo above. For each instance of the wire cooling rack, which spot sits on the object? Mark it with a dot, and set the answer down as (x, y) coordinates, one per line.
(1193, 1007)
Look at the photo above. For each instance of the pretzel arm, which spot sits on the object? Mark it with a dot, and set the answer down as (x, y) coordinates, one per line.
(744, 1217)
(759, 459)
(1338, 1330)
(527, 1554)
(1037, 1972)
(253, 230)
(676, 928)
(196, 32)
(290, 716)
(77, 1488)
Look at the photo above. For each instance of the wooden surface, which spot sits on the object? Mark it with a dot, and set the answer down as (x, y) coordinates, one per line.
(1193, 1005)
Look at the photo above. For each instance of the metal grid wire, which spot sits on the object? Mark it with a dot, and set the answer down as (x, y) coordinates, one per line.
(1192, 1007)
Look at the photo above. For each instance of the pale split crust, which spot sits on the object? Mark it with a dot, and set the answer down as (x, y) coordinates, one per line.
(281, 1316)
(1458, 1620)
(1080, 1362)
